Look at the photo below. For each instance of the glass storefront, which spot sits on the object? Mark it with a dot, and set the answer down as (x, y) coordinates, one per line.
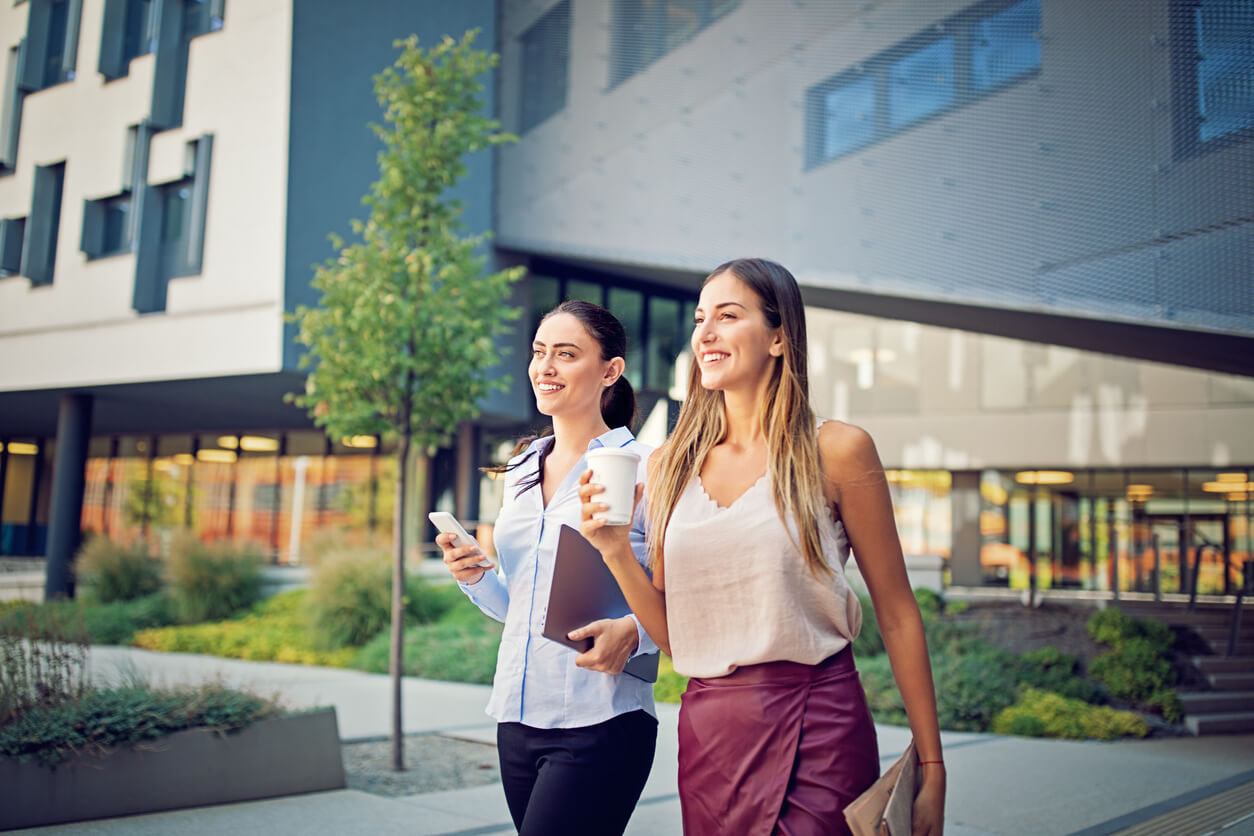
(1157, 532)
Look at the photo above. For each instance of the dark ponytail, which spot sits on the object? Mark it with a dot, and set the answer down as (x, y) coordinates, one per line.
(618, 402)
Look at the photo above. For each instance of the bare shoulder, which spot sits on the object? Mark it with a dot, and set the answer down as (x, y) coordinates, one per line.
(846, 450)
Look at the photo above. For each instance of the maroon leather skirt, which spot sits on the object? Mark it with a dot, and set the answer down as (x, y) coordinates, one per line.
(779, 747)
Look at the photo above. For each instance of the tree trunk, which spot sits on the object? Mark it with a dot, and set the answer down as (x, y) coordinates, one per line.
(398, 603)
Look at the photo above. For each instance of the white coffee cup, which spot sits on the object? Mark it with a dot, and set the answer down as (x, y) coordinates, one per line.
(615, 470)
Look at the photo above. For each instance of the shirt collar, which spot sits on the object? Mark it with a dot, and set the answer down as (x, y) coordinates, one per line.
(617, 437)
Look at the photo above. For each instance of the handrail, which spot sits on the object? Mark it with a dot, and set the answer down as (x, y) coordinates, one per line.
(1197, 566)
(1246, 587)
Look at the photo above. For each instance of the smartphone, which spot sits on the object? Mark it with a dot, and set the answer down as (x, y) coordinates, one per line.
(448, 524)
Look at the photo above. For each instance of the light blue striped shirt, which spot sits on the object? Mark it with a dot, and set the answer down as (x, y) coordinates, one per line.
(537, 681)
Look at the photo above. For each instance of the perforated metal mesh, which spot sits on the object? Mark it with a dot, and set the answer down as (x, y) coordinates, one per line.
(1091, 158)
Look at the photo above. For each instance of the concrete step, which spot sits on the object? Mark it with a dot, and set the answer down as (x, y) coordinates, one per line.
(1220, 646)
(1220, 632)
(1216, 702)
(1224, 664)
(1232, 681)
(1235, 722)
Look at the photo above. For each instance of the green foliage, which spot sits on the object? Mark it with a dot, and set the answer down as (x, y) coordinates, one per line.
(102, 718)
(869, 641)
(107, 571)
(670, 686)
(113, 623)
(208, 582)
(1167, 703)
(351, 598)
(882, 695)
(403, 337)
(454, 649)
(1111, 626)
(1042, 714)
(974, 681)
(1049, 669)
(276, 630)
(1134, 670)
(44, 663)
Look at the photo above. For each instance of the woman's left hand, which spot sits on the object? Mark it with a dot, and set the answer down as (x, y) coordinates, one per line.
(613, 642)
(929, 805)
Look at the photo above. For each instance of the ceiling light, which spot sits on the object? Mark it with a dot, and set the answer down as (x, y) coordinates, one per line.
(1044, 477)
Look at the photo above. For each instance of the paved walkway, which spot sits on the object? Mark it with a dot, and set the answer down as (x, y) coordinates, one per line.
(997, 785)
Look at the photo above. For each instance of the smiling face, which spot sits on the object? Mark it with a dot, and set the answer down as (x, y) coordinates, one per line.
(734, 345)
(566, 370)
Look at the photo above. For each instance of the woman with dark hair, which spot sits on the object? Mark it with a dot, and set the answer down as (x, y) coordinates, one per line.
(753, 507)
(575, 735)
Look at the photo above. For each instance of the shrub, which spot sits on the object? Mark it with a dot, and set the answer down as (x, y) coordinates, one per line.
(974, 681)
(275, 630)
(118, 622)
(46, 664)
(882, 695)
(1167, 703)
(1049, 669)
(1042, 714)
(351, 598)
(103, 718)
(1112, 627)
(670, 686)
(869, 641)
(108, 571)
(1134, 670)
(211, 582)
(453, 650)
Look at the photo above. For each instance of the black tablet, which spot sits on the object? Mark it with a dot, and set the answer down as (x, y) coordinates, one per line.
(583, 591)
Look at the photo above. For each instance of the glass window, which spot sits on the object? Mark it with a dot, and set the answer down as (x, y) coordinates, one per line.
(545, 67)
(849, 117)
(1006, 45)
(58, 24)
(116, 226)
(645, 30)
(175, 210)
(587, 291)
(544, 298)
(1225, 72)
(666, 339)
(921, 83)
(136, 40)
(628, 306)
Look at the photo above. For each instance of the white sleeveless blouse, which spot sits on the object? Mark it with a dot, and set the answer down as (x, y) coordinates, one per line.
(738, 591)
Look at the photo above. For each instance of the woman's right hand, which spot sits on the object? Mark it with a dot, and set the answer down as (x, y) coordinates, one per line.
(462, 562)
(607, 538)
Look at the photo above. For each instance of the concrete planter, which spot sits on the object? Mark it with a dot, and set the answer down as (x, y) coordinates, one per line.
(281, 756)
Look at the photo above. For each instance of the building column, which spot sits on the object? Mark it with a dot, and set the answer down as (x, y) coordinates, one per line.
(68, 481)
(964, 555)
(466, 472)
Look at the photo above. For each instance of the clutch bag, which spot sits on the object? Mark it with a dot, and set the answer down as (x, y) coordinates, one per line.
(885, 808)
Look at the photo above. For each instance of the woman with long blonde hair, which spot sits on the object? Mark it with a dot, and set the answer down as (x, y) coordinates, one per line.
(753, 506)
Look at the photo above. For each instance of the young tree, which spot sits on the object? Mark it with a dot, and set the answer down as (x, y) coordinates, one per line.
(402, 342)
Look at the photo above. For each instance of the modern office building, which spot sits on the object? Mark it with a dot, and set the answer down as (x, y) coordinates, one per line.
(1025, 229)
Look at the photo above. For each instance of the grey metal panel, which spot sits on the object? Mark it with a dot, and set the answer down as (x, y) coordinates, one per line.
(39, 248)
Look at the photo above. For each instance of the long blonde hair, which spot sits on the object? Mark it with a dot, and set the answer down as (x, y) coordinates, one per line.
(788, 423)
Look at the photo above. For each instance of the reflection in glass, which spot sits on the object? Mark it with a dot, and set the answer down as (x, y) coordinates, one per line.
(1225, 73)
(921, 83)
(628, 306)
(849, 117)
(666, 339)
(1006, 45)
(587, 291)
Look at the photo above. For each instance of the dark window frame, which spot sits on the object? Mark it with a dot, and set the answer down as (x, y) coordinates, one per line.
(961, 28)
(43, 224)
(629, 58)
(1186, 106)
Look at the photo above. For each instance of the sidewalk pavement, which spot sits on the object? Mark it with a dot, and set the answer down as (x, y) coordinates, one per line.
(997, 785)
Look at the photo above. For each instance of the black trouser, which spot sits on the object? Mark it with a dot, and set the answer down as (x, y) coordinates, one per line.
(578, 781)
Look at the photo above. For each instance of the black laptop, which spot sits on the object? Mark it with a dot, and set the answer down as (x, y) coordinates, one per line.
(583, 591)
